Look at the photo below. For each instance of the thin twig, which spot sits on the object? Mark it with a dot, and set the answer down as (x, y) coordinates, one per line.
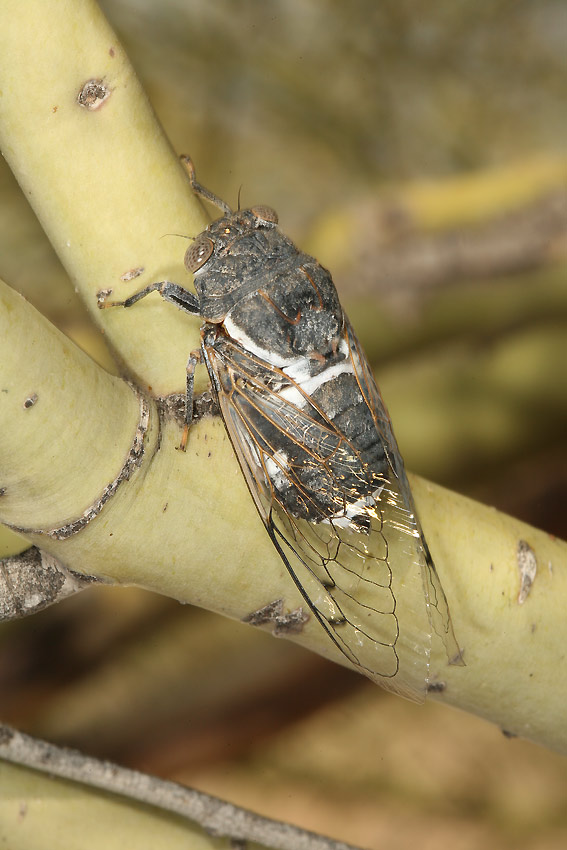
(217, 817)
(397, 260)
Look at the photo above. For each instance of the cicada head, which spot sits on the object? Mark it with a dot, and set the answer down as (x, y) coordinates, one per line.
(228, 258)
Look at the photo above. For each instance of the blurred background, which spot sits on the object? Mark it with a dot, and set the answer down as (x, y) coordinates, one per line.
(419, 153)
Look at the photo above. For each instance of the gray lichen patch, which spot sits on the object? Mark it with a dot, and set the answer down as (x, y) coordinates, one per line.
(132, 273)
(273, 612)
(92, 94)
(267, 614)
(291, 623)
(527, 565)
(101, 296)
(205, 404)
(33, 580)
(173, 406)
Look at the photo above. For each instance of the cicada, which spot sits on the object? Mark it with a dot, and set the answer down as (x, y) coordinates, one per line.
(314, 442)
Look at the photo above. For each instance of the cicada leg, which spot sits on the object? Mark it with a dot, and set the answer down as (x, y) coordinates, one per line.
(194, 358)
(172, 292)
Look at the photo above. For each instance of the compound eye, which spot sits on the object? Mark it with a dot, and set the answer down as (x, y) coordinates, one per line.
(199, 252)
(265, 214)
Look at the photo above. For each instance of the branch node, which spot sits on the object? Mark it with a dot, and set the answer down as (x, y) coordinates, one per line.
(132, 462)
(33, 580)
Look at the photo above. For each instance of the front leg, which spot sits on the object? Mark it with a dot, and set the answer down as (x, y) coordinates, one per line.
(172, 292)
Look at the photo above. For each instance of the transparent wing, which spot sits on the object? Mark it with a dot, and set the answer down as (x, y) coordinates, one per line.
(360, 569)
(438, 607)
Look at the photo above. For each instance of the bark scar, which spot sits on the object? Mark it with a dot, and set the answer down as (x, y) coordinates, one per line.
(32, 580)
(284, 624)
(527, 565)
(93, 93)
(132, 462)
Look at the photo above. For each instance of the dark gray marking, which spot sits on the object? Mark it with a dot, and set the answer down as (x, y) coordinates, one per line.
(174, 406)
(30, 400)
(458, 660)
(284, 624)
(436, 687)
(291, 623)
(205, 404)
(267, 614)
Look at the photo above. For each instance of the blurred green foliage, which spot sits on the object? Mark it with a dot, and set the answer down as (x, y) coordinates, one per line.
(364, 91)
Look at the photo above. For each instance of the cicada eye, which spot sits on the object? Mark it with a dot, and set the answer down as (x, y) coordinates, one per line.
(199, 252)
(265, 214)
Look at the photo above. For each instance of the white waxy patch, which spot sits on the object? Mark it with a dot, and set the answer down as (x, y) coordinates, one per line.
(238, 335)
(361, 506)
(299, 370)
(310, 384)
(274, 468)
